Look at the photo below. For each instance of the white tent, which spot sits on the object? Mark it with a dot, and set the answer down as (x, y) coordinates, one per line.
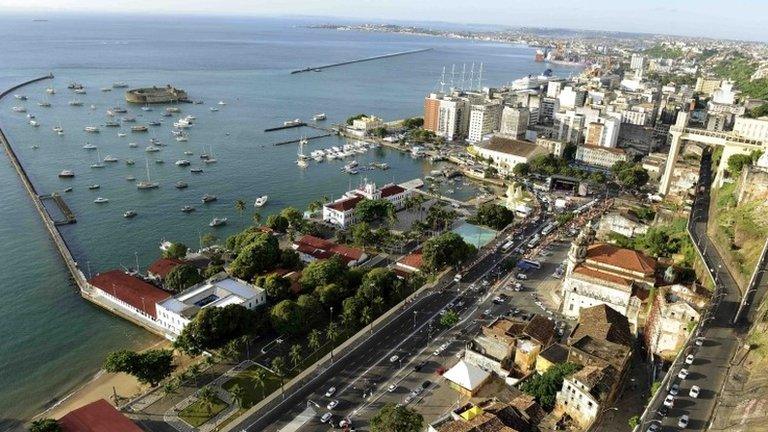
(467, 375)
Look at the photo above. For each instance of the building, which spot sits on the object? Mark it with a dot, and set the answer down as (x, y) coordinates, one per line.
(98, 416)
(637, 63)
(466, 378)
(514, 121)
(585, 393)
(176, 312)
(552, 355)
(452, 118)
(553, 146)
(159, 269)
(605, 274)
(521, 414)
(570, 98)
(707, 85)
(624, 222)
(724, 95)
(342, 211)
(569, 126)
(548, 106)
(594, 134)
(600, 157)
(756, 129)
(505, 153)
(311, 248)
(431, 112)
(484, 118)
(366, 123)
(409, 264)
(131, 294)
(603, 133)
(675, 310)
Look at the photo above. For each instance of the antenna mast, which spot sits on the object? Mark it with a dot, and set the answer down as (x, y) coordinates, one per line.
(453, 71)
(463, 74)
(442, 81)
(472, 76)
(480, 78)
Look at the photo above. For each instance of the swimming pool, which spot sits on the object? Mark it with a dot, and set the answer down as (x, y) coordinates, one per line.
(475, 235)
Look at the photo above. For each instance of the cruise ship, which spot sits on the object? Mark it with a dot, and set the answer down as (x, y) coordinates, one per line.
(532, 82)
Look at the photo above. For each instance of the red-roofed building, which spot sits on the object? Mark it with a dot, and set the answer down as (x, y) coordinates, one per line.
(342, 211)
(411, 263)
(159, 269)
(97, 416)
(132, 294)
(311, 248)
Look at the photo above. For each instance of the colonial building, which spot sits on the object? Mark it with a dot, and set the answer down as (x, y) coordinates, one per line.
(623, 222)
(159, 269)
(675, 310)
(600, 157)
(128, 293)
(505, 153)
(585, 392)
(311, 248)
(342, 211)
(605, 274)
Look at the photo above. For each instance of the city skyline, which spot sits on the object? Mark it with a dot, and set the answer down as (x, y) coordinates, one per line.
(709, 18)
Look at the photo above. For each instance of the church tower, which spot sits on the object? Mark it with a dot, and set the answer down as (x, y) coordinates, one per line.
(578, 252)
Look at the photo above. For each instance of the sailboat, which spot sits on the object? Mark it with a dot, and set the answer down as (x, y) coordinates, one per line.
(302, 158)
(148, 183)
(99, 163)
(210, 159)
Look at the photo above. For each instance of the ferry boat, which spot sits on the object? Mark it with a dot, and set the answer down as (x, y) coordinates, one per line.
(260, 201)
(129, 214)
(140, 128)
(187, 209)
(66, 173)
(218, 222)
(181, 185)
(318, 117)
(89, 146)
(91, 129)
(209, 198)
(101, 200)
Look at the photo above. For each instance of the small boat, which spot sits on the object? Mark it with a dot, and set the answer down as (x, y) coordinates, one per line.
(66, 173)
(196, 170)
(110, 158)
(129, 162)
(214, 109)
(175, 132)
(154, 123)
(119, 110)
(89, 146)
(260, 201)
(93, 107)
(130, 178)
(76, 102)
(121, 134)
(129, 119)
(60, 133)
(140, 128)
(34, 123)
(294, 122)
(34, 146)
(218, 222)
(159, 161)
(146, 108)
(44, 104)
(182, 138)
(101, 200)
(318, 117)
(30, 116)
(74, 86)
(222, 103)
(151, 149)
(19, 109)
(210, 160)
(110, 113)
(91, 129)
(80, 91)
(181, 185)
(350, 165)
(187, 209)
(172, 109)
(148, 183)
(120, 84)
(50, 90)
(167, 114)
(188, 153)
(106, 89)
(155, 141)
(69, 189)
(132, 145)
(129, 214)
(182, 162)
(112, 124)
(20, 97)
(93, 187)
(209, 198)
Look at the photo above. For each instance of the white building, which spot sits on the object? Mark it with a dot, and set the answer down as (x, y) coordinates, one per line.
(584, 393)
(603, 133)
(725, 94)
(602, 157)
(221, 290)
(452, 118)
(756, 129)
(505, 153)
(569, 126)
(483, 119)
(342, 211)
(514, 121)
(571, 98)
(637, 62)
(674, 312)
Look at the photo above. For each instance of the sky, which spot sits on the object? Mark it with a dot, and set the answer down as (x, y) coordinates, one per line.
(732, 19)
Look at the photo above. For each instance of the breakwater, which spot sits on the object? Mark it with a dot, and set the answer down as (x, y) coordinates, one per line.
(366, 59)
(294, 141)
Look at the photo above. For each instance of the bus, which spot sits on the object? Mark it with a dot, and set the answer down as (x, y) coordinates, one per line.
(529, 263)
(549, 228)
(534, 241)
(508, 246)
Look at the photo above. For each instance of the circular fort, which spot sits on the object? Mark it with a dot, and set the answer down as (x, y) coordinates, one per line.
(153, 95)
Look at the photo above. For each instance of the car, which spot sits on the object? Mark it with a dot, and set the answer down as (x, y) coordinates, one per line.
(699, 341)
(394, 358)
(332, 404)
(522, 276)
(515, 311)
(683, 374)
(662, 411)
(485, 282)
(498, 300)
(654, 427)
(345, 423)
(419, 366)
(416, 391)
(689, 359)
(408, 399)
(436, 352)
(457, 278)
(669, 401)
(674, 390)
(694, 392)
(392, 387)
(472, 286)
(326, 417)
(683, 422)
(426, 384)
(330, 392)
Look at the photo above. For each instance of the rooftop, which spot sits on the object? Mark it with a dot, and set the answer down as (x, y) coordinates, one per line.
(98, 416)
(163, 266)
(466, 375)
(512, 146)
(602, 322)
(345, 204)
(555, 353)
(627, 259)
(616, 151)
(215, 292)
(130, 289)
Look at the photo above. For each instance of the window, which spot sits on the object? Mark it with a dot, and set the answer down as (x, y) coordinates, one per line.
(589, 404)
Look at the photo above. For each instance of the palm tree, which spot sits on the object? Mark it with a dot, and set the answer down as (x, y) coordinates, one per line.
(194, 372)
(238, 394)
(278, 366)
(260, 379)
(208, 397)
(295, 355)
(367, 316)
(170, 387)
(313, 339)
(240, 207)
(332, 332)
(315, 206)
(256, 218)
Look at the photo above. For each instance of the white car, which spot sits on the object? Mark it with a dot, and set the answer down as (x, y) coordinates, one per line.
(392, 388)
(674, 390)
(694, 393)
(332, 404)
(394, 358)
(683, 422)
(689, 359)
(699, 341)
(330, 392)
(326, 417)
(683, 374)
(522, 276)
(669, 401)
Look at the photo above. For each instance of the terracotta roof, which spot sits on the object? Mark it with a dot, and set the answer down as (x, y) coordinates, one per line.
(555, 353)
(607, 277)
(541, 329)
(628, 259)
(391, 189)
(414, 260)
(605, 149)
(130, 289)
(345, 251)
(315, 242)
(163, 266)
(97, 416)
(309, 250)
(345, 204)
(512, 146)
(602, 322)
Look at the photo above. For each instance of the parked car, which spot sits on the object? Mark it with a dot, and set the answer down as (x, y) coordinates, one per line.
(392, 387)
(699, 341)
(683, 374)
(683, 422)
(694, 392)
(330, 392)
(394, 358)
(674, 390)
(522, 276)
(326, 417)
(669, 401)
(689, 359)
(654, 427)
(426, 384)
(419, 366)
(332, 404)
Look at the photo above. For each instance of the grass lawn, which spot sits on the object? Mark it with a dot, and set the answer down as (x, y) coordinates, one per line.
(197, 413)
(253, 393)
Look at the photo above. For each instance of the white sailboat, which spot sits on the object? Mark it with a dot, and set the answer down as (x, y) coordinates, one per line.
(302, 158)
(210, 159)
(148, 183)
(99, 163)
(260, 201)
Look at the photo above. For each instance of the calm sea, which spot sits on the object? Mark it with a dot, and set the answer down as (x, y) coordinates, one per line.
(52, 340)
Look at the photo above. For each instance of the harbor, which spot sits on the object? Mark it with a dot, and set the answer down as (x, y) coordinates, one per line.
(366, 59)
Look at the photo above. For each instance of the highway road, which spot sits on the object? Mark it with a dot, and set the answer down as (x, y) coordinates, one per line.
(363, 369)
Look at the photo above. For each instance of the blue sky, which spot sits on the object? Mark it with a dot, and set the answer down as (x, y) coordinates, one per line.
(736, 19)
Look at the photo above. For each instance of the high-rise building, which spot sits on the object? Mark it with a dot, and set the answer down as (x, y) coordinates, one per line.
(594, 133)
(553, 88)
(514, 121)
(432, 111)
(637, 63)
(603, 133)
(483, 119)
(569, 126)
(452, 117)
(571, 98)
(549, 106)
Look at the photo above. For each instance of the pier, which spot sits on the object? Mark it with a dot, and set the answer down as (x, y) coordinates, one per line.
(289, 126)
(69, 215)
(348, 62)
(294, 141)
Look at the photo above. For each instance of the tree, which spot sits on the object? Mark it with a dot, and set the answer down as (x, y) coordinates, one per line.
(351, 119)
(286, 317)
(444, 250)
(278, 366)
(396, 418)
(259, 255)
(332, 331)
(379, 282)
(494, 216)
(212, 270)
(737, 162)
(449, 319)
(521, 169)
(413, 122)
(629, 175)
(633, 421)
(439, 217)
(171, 387)
(256, 218)
(351, 308)
(331, 295)
(208, 397)
(379, 132)
(277, 287)
(208, 240)
(238, 394)
(324, 272)
(289, 259)
(259, 377)
(544, 387)
(311, 311)
(293, 216)
(277, 222)
(182, 277)
(240, 208)
(213, 327)
(175, 250)
(313, 339)
(374, 210)
(296, 355)
(149, 367)
(45, 425)
(361, 234)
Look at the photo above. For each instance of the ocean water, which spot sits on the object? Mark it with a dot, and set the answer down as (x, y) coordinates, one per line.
(52, 339)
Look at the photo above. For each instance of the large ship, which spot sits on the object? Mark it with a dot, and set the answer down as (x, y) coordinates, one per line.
(152, 95)
(532, 82)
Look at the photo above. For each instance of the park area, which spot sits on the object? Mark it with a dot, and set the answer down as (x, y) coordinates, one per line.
(200, 411)
(256, 383)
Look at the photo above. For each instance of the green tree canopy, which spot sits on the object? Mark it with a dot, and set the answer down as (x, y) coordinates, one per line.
(521, 169)
(630, 175)
(278, 222)
(494, 216)
(277, 287)
(286, 317)
(213, 327)
(445, 250)
(737, 162)
(449, 319)
(544, 387)
(176, 250)
(413, 122)
(379, 282)
(374, 210)
(261, 254)
(293, 216)
(331, 295)
(149, 367)
(351, 119)
(396, 418)
(182, 277)
(362, 235)
(45, 425)
(324, 272)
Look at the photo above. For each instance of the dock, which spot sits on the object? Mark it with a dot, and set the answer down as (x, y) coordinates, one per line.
(290, 126)
(348, 62)
(294, 141)
(69, 215)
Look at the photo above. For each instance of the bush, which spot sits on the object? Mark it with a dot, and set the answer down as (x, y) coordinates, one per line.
(493, 216)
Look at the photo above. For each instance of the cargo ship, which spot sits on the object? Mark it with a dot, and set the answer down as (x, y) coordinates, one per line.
(155, 95)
